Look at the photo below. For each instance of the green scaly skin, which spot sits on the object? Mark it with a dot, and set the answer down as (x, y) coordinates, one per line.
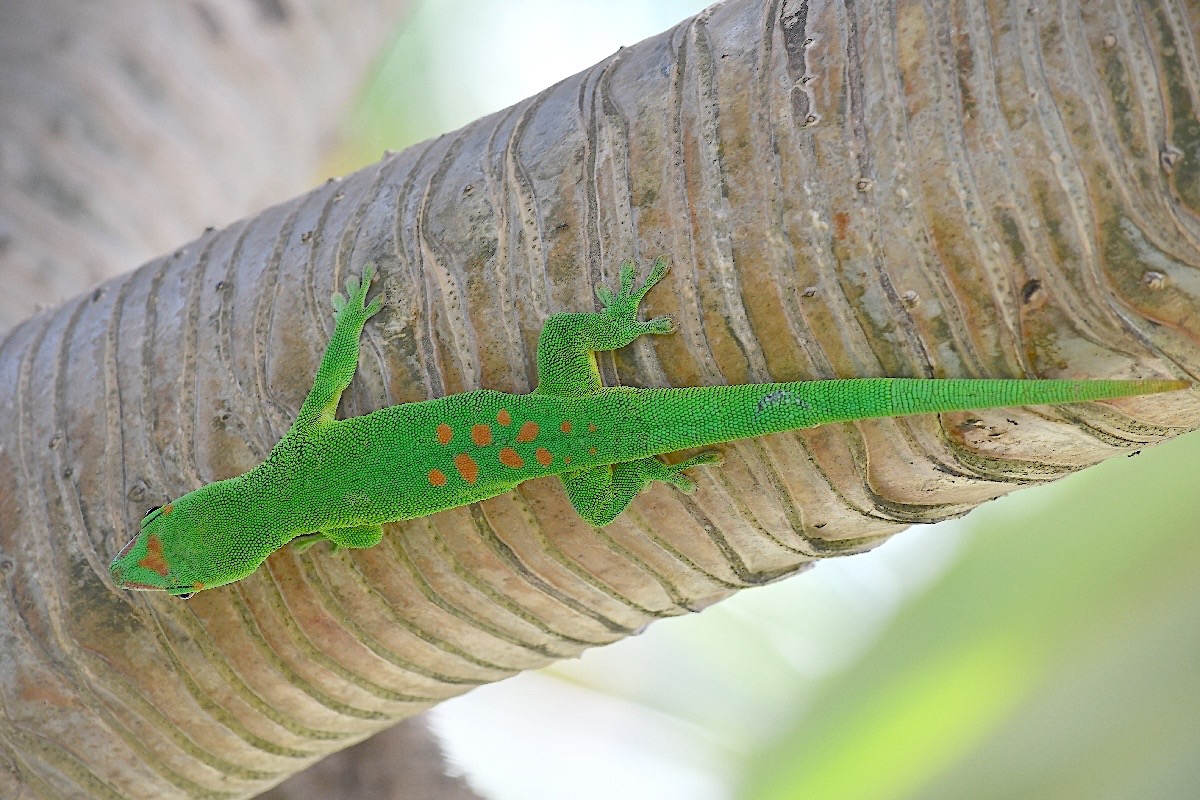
(340, 480)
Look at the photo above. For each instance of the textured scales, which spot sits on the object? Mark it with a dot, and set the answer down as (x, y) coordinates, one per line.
(340, 480)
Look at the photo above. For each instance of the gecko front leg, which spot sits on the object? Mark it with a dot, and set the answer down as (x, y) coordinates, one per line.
(358, 537)
(338, 365)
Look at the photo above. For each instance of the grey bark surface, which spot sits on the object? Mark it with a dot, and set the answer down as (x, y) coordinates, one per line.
(961, 189)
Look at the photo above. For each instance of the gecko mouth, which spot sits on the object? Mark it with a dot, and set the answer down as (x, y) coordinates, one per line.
(182, 592)
(179, 591)
(141, 587)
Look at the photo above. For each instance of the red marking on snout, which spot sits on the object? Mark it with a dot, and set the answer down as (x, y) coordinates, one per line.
(154, 559)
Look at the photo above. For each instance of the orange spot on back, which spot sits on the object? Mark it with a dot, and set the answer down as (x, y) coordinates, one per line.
(167, 509)
(567, 460)
(543, 456)
(504, 418)
(481, 435)
(591, 451)
(437, 477)
(565, 427)
(197, 586)
(444, 433)
(511, 458)
(154, 559)
(528, 432)
(591, 427)
(466, 467)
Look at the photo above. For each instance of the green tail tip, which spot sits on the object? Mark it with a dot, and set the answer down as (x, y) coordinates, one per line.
(1110, 389)
(1126, 387)
(1156, 386)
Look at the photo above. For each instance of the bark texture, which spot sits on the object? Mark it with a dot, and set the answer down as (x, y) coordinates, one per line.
(127, 126)
(907, 188)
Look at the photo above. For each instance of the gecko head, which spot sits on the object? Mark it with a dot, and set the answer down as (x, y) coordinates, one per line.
(187, 546)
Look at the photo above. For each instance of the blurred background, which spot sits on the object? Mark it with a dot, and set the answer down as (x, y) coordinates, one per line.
(1044, 647)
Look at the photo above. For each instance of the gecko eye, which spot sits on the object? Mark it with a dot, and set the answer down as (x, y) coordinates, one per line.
(151, 511)
(185, 595)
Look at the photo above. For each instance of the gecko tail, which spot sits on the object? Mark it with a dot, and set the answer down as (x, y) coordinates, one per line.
(677, 419)
(916, 396)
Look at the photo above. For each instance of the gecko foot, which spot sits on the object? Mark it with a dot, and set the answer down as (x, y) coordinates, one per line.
(624, 304)
(673, 473)
(352, 306)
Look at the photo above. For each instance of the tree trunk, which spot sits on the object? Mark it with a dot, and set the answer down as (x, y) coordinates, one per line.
(911, 189)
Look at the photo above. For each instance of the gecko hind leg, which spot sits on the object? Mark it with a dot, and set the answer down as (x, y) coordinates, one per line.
(566, 364)
(601, 493)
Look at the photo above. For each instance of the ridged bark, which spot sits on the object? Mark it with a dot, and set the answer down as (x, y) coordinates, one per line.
(908, 189)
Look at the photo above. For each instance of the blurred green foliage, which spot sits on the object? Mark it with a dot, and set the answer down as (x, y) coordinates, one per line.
(1055, 659)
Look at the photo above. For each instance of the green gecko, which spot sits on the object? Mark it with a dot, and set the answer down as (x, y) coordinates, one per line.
(340, 480)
